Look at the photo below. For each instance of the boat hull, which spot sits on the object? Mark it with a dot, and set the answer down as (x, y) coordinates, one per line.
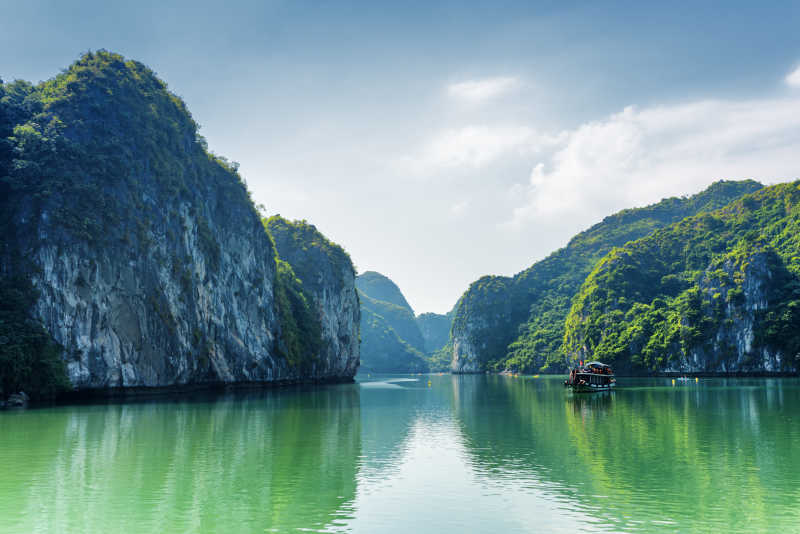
(590, 388)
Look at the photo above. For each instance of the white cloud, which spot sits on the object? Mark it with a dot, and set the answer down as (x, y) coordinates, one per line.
(483, 89)
(477, 146)
(793, 78)
(638, 156)
(459, 208)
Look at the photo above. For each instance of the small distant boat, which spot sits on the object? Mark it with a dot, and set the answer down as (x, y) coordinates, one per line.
(594, 376)
(685, 379)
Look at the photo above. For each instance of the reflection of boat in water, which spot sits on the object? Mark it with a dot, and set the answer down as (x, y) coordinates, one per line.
(594, 376)
(684, 379)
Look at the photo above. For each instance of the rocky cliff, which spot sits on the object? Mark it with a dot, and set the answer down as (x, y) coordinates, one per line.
(717, 292)
(146, 259)
(517, 322)
(328, 279)
(736, 294)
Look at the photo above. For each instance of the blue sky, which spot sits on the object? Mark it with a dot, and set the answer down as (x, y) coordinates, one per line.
(438, 142)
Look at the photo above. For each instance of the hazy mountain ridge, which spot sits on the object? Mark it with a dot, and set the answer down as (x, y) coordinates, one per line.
(435, 329)
(391, 341)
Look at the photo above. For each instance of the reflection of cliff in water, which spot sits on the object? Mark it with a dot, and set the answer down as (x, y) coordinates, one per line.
(244, 463)
(638, 457)
(390, 409)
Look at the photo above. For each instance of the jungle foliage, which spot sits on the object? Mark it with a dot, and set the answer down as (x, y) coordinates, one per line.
(301, 330)
(519, 321)
(683, 288)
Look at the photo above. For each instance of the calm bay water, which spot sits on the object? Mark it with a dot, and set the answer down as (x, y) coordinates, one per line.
(390, 454)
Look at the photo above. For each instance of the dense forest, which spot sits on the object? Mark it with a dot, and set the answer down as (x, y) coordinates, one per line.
(719, 291)
(517, 323)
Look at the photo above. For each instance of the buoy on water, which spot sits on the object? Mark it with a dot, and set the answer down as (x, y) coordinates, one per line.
(696, 379)
(429, 383)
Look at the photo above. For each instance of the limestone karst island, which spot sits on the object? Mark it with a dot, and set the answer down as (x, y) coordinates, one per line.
(431, 268)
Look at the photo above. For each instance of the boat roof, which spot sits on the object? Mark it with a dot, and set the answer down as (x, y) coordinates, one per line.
(596, 364)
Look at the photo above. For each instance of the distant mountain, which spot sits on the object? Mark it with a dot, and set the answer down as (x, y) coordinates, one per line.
(379, 287)
(435, 329)
(391, 341)
(518, 322)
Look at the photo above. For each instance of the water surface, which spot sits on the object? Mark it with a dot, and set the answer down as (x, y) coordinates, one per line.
(413, 454)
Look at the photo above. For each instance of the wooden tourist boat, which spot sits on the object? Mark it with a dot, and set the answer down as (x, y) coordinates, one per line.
(594, 376)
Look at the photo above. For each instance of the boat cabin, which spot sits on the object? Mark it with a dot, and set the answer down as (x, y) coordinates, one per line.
(593, 376)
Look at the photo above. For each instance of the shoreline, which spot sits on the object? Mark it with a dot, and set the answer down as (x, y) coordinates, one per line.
(670, 374)
(175, 391)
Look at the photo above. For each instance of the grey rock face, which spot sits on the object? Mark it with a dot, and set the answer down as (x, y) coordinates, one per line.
(159, 314)
(465, 359)
(150, 262)
(340, 315)
(163, 310)
(734, 347)
(329, 276)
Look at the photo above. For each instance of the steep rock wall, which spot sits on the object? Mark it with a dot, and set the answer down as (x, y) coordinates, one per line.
(150, 264)
(328, 276)
(743, 290)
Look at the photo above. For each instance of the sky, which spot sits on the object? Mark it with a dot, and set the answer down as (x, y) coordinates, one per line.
(438, 142)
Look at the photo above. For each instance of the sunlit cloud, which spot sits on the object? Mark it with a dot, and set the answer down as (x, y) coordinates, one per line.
(459, 208)
(483, 89)
(793, 78)
(477, 146)
(638, 156)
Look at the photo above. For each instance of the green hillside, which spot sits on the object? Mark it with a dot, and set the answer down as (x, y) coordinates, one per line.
(719, 291)
(518, 322)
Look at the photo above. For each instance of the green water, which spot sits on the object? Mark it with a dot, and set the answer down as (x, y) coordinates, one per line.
(465, 454)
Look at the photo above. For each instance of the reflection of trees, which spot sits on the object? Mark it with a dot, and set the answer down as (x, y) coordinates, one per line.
(265, 460)
(699, 456)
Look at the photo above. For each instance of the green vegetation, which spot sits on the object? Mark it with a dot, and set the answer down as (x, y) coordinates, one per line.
(309, 264)
(400, 319)
(518, 322)
(308, 251)
(383, 350)
(76, 142)
(440, 360)
(381, 288)
(104, 157)
(683, 289)
(301, 331)
(391, 341)
(30, 360)
(76, 154)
